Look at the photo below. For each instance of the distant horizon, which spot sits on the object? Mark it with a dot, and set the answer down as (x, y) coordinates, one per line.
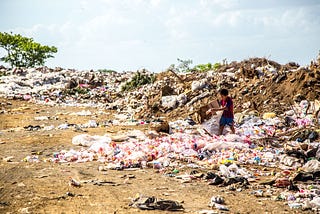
(129, 35)
(192, 65)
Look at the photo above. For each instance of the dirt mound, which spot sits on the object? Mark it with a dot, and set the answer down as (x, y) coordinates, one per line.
(256, 83)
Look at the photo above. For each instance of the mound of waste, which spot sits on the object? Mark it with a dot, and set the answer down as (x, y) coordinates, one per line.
(255, 84)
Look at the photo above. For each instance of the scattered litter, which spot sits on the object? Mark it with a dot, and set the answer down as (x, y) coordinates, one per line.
(152, 203)
(74, 182)
(8, 159)
(41, 118)
(277, 127)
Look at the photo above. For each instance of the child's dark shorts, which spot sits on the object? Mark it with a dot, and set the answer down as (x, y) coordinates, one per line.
(226, 121)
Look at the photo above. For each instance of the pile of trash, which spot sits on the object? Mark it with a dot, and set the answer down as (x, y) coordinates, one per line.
(256, 84)
(277, 117)
(268, 140)
(288, 143)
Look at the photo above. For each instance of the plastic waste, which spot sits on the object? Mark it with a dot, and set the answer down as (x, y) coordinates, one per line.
(74, 182)
(198, 85)
(63, 126)
(221, 207)
(291, 197)
(315, 202)
(32, 159)
(41, 118)
(224, 171)
(48, 128)
(182, 99)
(88, 140)
(295, 205)
(82, 113)
(90, 124)
(216, 199)
(311, 166)
(169, 102)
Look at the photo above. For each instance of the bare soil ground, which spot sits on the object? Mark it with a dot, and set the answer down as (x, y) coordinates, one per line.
(42, 187)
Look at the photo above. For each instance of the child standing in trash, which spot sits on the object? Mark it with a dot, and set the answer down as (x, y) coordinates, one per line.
(226, 104)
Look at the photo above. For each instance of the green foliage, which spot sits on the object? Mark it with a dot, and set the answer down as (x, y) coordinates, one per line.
(23, 51)
(216, 66)
(138, 80)
(207, 67)
(77, 91)
(183, 67)
(203, 67)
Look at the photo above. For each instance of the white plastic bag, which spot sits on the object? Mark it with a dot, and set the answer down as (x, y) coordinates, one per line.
(212, 125)
(88, 140)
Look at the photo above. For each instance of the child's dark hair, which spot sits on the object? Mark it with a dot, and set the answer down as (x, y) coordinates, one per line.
(224, 92)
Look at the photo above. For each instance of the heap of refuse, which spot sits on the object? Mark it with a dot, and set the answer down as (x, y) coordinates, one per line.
(255, 84)
(287, 142)
(277, 117)
(267, 140)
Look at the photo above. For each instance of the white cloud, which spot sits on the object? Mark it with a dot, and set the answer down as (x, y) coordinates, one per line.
(155, 3)
(103, 28)
(225, 4)
(130, 32)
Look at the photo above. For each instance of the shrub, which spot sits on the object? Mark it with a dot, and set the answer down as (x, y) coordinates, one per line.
(137, 80)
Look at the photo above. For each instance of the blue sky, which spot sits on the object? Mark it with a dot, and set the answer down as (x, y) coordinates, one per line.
(152, 34)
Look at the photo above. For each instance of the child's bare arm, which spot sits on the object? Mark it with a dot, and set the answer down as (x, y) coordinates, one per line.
(211, 110)
(213, 106)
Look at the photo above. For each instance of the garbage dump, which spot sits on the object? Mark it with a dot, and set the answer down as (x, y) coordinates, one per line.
(277, 118)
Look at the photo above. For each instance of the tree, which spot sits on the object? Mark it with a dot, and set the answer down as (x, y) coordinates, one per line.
(184, 65)
(23, 51)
